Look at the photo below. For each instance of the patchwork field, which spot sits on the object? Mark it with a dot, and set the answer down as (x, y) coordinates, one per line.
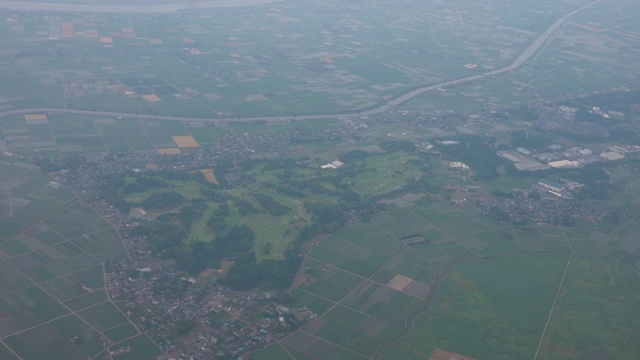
(423, 279)
(68, 134)
(53, 302)
(478, 291)
(597, 49)
(276, 59)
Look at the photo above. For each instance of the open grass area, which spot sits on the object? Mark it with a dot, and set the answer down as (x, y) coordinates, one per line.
(511, 300)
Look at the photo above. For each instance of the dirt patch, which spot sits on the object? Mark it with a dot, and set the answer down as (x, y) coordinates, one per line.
(209, 176)
(185, 141)
(399, 282)
(151, 97)
(36, 119)
(207, 273)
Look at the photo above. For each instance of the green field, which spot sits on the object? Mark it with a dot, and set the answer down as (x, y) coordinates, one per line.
(493, 302)
(261, 62)
(503, 314)
(54, 250)
(468, 284)
(595, 313)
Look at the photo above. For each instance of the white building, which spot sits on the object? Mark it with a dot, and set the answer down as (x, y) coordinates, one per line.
(612, 155)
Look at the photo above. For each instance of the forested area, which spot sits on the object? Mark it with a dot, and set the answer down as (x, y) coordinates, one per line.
(473, 151)
(328, 199)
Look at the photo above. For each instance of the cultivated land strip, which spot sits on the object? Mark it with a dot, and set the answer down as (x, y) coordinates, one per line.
(10, 349)
(432, 299)
(566, 268)
(40, 285)
(517, 63)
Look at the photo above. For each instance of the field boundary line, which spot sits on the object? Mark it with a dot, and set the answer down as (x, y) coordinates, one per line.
(10, 349)
(334, 344)
(450, 237)
(285, 350)
(567, 239)
(546, 326)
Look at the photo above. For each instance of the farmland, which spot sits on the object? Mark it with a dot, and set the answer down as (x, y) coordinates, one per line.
(497, 292)
(220, 63)
(53, 302)
(244, 147)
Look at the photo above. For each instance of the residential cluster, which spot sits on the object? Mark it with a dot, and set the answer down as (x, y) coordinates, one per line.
(206, 319)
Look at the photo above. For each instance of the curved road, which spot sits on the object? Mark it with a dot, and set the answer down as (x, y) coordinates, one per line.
(517, 63)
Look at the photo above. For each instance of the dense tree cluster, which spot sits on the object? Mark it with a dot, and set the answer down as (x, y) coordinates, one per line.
(272, 206)
(398, 145)
(162, 200)
(530, 140)
(594, 178)
(168, 233)
(71, 162)
(480, 157)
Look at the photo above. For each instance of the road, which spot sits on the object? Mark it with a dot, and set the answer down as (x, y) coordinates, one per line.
(520, 61)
